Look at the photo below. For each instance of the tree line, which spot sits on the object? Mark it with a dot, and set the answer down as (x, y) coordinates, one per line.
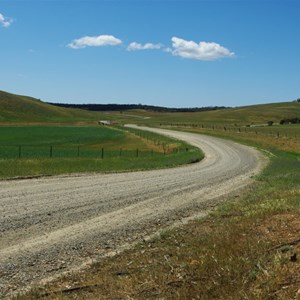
(124, 107)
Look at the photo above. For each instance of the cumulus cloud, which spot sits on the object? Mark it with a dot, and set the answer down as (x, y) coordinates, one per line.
(95, 41)
(5, 22)
(201, 51)
(180, 47)
(136, 46)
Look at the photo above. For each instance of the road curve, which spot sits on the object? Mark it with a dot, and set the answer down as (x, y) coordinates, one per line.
(52, 225)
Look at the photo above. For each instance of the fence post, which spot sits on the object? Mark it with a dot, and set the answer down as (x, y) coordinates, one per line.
(50, 151)
(137, 152)
(102, 153)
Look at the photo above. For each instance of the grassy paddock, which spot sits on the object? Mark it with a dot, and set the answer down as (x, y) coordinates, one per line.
(52, 150)
(246, 249)
(59, 135)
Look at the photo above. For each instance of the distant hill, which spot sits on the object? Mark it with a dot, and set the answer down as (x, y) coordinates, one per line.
(123, 107)
(256, 114)
(244, 115)
(16, 108)
(23, 109)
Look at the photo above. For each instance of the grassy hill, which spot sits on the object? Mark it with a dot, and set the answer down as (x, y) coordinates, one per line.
(256, 114)
(19, 109)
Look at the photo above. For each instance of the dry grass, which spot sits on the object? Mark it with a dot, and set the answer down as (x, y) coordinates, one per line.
(263, 139)
(219, 258)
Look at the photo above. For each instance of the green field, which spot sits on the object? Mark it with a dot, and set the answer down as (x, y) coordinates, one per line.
(51, 150)
(57, 141)
(59, 135)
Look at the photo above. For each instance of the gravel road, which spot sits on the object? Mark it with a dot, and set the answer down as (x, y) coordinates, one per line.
(56, 224)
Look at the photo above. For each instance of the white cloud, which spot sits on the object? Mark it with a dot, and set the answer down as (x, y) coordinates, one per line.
(201, 51)
(95, 41)
(136, 46)
(5, 22)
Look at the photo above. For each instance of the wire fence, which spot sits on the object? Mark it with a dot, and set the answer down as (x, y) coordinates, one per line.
(52, 151)
(292, 131)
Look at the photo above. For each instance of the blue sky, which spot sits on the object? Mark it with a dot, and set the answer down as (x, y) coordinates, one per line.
(158, 52)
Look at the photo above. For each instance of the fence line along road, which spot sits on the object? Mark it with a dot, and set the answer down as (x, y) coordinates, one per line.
(28, 152)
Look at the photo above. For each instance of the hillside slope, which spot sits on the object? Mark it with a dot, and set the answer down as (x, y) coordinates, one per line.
(258, 113)
(246, 115)
(16, 108)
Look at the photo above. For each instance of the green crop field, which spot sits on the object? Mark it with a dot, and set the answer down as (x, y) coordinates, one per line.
(59, 135)
(59, 141)
(50, 150)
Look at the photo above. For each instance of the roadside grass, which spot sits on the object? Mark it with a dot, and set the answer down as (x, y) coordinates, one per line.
(248, 248)
(27, 151)
(11, 168)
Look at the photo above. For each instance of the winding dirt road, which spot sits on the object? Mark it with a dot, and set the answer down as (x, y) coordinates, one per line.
(56, 224)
